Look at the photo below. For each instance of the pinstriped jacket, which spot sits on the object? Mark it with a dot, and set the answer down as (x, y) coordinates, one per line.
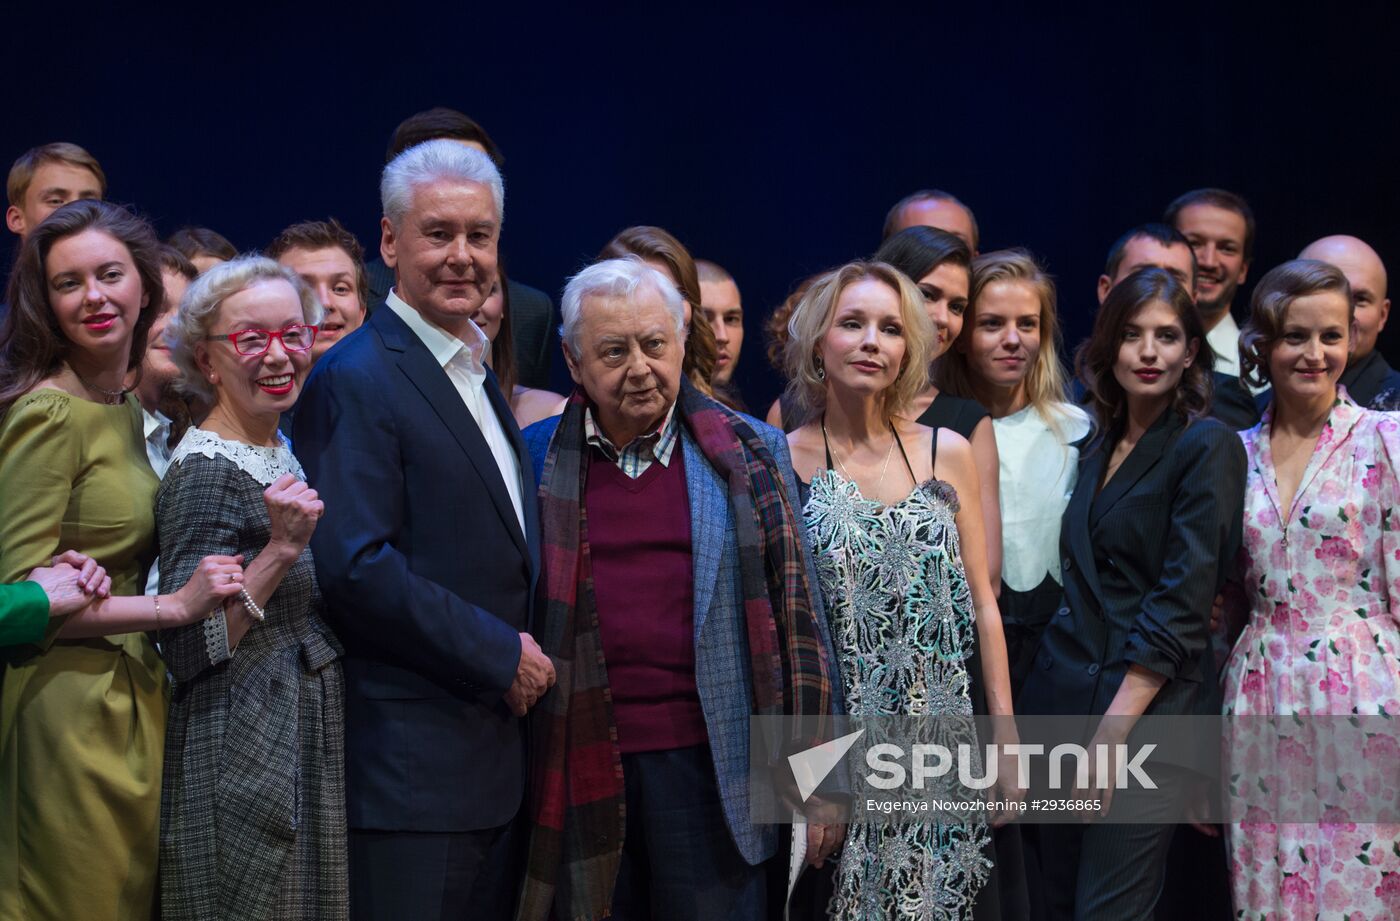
(722, 664)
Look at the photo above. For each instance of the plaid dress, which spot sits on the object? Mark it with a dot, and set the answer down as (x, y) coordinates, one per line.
(253, 808)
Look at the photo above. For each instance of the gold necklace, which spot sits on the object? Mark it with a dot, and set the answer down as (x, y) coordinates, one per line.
(883, 470)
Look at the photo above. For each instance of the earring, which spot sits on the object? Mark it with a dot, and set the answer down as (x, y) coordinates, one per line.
(821, 369)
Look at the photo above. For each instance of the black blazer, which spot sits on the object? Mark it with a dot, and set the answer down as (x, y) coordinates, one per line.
(1372, 383)
(531, 323)
(1142, 561)
(1231, 402)
(428, 581)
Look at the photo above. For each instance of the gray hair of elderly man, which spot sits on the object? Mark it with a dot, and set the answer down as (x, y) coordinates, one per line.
(431, 162)
(192, 321)
(618, 279)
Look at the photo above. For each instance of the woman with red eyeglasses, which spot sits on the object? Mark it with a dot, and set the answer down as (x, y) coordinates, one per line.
(253, 810)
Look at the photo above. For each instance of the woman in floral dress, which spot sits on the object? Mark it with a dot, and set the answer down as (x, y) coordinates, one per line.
(1321, 575)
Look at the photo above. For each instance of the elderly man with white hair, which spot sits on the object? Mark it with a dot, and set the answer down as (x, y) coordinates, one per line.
(680, 597)
(428, 553)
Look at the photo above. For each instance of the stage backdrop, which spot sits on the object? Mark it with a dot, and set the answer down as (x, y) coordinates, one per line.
(769, 141)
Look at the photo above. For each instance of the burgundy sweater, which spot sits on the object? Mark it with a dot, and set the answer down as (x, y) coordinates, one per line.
(639, 548)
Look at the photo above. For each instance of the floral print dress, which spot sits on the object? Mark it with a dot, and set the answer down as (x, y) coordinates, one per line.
(1322, 579)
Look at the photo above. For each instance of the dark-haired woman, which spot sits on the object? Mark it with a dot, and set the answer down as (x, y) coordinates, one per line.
(1322, 581)
(82, 717)
(1147, 539)
(940, 264)
(203, 247)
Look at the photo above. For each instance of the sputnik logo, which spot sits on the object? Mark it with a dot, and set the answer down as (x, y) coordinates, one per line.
(810, 767)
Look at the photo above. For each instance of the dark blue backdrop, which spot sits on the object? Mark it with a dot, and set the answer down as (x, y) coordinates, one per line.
(771, 141)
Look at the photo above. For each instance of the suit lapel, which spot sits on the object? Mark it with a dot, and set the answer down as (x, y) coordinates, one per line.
(432, 382)
(1076, 519)
(1143, 458)
(709, 523)
(530, 507)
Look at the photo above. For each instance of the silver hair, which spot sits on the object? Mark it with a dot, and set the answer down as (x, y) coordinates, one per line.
(432, 161)
(615, 278)
(199, 311)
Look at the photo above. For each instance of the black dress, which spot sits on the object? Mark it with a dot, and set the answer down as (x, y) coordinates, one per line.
(956, 413)
(1005, 896)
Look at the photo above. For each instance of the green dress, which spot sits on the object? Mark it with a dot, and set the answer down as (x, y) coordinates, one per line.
(24, 613)
(82, 722)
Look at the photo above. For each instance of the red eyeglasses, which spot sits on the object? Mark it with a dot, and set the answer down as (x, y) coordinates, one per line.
(253, 342)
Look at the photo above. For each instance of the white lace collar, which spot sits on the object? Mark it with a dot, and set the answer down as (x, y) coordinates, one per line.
(262, 464)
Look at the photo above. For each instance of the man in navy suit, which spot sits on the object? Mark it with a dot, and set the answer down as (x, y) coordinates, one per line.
(428, 553)
(531, 310)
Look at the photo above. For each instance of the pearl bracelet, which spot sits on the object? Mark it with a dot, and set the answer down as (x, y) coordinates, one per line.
(254, 611)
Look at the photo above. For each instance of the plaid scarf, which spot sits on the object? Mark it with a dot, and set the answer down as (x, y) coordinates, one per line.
(578, 798)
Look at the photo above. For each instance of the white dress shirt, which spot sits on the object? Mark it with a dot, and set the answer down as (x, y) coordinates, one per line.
(155, 428)
(1224, 341)
(465, 364)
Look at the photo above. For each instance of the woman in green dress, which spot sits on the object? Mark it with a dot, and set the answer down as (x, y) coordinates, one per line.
(82, 712)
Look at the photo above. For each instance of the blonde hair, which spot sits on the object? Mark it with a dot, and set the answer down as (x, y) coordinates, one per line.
(812, 318)
(28, 163)
(1045, 381)
(199, 310)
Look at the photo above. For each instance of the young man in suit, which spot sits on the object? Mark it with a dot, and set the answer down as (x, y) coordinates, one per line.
(1219, 226)
(428, 553)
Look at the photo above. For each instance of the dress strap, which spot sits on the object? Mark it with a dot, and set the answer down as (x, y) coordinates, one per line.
(826, 444)
(933, 455)
(903, 454)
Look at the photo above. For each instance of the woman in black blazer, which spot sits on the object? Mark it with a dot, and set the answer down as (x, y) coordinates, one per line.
(1149, 534)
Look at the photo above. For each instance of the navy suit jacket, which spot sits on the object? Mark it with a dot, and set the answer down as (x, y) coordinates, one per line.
(428, 581)
(1142, 560)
